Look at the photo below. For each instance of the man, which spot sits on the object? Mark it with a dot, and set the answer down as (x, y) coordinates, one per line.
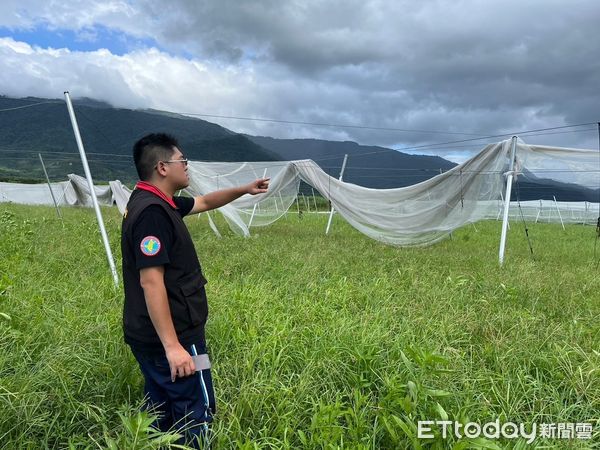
(165, 307)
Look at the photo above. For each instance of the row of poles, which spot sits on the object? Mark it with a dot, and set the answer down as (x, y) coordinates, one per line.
(88, 176)
(509, 181)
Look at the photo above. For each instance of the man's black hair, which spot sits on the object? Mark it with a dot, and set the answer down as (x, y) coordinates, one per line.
(151, 149)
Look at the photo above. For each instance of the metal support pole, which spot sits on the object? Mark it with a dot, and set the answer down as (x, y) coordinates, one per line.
(509, 181)
(50, 187)
(332, 209)
(558, 210)
(255, 205)
(88, 175)
(501, 209)
(212, 225)
(282, 205)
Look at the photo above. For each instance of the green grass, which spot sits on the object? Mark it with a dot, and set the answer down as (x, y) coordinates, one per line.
(316, 341)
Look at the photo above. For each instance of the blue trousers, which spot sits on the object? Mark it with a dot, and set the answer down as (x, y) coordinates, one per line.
(187, 404)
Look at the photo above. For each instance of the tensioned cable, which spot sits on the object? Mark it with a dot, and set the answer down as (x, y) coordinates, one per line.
(8, 150)
(480, 137)
(477, 172)
(337, 125)
(412, 172)
(68, 156)
(451, 142)
(454, 142)
(49, 152)
(559, 132)
(523, 217)
(414, 147)
(30, 105)
(258, 119)
(323, 124)
(477, 145)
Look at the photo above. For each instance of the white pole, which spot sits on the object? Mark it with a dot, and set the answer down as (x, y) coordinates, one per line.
(50, 187)
(281, 200)
(559, 216)
(212, 225)
(255, 205)
(88, 175)
(501, 209)
(332, 210)
(509, 181)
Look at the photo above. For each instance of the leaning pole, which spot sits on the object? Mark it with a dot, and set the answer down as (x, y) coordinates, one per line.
(509, 181)
(88, 175)
(332, 208)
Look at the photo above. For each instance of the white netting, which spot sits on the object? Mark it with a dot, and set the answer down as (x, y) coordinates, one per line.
(255, 211)
(415, 215)
(548, 211)
(579, 167)
(74, 192)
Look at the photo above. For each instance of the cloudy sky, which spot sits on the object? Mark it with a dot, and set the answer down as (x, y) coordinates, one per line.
(397, 73)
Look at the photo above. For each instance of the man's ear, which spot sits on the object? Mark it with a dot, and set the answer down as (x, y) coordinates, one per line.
(161, 169)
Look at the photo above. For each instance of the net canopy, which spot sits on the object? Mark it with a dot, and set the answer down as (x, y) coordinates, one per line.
(414, 215)
(571, 166)
(73, 192)
(420, 214)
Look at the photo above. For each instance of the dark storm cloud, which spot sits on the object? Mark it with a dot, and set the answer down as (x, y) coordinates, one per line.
(453, 60)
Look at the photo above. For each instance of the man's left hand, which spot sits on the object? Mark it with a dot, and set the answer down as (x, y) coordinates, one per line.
(259, 186)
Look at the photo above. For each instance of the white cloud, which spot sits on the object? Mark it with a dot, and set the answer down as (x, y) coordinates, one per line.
(468, 66)
(73, 15)
(16, 47)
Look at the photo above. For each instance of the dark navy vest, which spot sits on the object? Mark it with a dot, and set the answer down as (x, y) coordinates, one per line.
(184, 281)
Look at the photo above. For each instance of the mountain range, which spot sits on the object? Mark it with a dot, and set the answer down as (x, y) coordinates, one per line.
(31, 126)
(108, 134)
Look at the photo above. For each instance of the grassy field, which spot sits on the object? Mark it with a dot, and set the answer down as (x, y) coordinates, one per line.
(317, 342)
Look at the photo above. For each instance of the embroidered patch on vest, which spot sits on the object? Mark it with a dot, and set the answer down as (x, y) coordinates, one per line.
(150, 245)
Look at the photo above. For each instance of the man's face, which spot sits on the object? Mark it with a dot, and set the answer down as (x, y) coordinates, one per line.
(176, 170)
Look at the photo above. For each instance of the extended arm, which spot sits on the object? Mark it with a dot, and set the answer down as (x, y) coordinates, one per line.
(217, 199)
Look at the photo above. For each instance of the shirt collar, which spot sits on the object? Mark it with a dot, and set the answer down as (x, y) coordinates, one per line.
(145, 186)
